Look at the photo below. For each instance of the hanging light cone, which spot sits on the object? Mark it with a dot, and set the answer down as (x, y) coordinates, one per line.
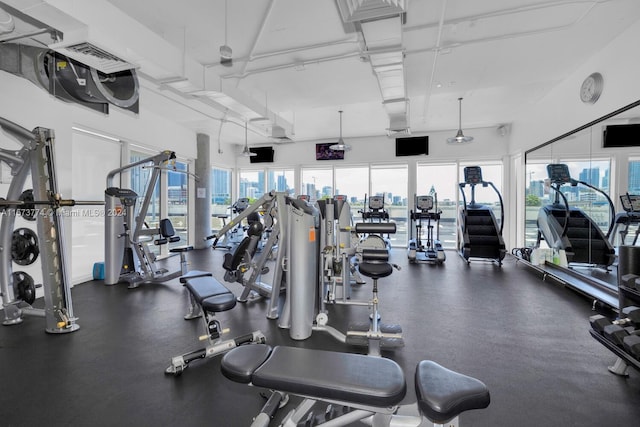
(459, 138)
(340, 145)
(245, 150)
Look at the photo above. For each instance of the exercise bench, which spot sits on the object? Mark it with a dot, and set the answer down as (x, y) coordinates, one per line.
(207, 296)
(366, 388)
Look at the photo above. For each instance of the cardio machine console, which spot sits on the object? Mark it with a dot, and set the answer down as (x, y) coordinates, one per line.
(376, 202)
(424, 203)
(473, 175)
(559, 173)
(630, 202)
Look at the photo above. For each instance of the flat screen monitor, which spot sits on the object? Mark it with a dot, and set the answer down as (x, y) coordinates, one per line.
(264, 155)
(621, 136)
(412, 146)
(324, 152)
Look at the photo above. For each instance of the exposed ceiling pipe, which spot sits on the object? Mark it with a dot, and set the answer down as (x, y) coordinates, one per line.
(263, 24)
(436, 52)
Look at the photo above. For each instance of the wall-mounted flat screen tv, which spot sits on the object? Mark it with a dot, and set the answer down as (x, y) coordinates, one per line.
(264, 155)
(323, 152)
(412, 146)
(621, 136)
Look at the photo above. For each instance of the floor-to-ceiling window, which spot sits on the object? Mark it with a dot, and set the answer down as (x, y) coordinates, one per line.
(140, 180)
(440, 180)
(281, 180)
(220, 196)
(251, 184)
(391, 181)
(92, 156)
(317, 183)
(353, 182)
(178, 200)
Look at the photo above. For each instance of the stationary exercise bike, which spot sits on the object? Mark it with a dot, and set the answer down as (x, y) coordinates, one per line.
(431, 250)
(355, 387)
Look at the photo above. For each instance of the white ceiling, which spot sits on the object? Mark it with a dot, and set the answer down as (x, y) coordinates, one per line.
(299, 60)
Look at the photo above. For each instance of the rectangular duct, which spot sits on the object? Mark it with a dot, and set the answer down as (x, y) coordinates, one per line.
(383, 38)
(361, 10)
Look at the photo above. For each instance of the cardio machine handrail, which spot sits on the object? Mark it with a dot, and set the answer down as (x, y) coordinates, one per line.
(461, 185)
(612, 209)
(565, 227)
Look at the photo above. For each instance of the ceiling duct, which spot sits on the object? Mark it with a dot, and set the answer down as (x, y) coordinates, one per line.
(361, 10)
(25, 61)
(70, 80)
(380, 22)
(279, 135)
(76, 82)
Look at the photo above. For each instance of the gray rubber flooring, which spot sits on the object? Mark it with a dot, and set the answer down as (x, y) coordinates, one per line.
(528, 340)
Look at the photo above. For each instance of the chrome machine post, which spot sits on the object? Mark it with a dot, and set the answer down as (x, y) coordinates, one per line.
(18, 161)
(59, 316)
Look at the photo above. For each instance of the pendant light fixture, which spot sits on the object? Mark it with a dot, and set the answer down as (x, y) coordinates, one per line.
(245, 151)
(459, 138)
(340, 145)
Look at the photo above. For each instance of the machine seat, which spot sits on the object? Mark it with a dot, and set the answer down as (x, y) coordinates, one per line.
(444, 394)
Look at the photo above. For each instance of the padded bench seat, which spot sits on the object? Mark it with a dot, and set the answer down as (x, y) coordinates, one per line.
(320, 374)
(354, 379)
(212, 295)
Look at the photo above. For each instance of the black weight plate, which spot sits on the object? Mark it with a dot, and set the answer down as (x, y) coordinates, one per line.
(24, 246)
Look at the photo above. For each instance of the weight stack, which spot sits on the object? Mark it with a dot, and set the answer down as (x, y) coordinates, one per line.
(628, 263)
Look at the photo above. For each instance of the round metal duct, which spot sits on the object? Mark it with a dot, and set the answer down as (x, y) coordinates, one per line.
(120, 89)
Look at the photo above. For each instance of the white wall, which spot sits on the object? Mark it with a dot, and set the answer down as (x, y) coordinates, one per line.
(561, 110)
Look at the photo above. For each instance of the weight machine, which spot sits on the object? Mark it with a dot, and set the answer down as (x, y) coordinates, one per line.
(127, 236)
(307, 291)
(431, 251)
(246, 265)
(338, 272)
(35, 157)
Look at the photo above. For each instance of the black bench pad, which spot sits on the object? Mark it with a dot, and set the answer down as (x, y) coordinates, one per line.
(444, 394)
(210, 294)
(351, 378)
(192, 274)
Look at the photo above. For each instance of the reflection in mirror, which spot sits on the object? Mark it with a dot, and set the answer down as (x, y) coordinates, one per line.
(603, 161)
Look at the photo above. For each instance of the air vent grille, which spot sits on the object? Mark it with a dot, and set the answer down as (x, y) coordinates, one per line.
(95, 57)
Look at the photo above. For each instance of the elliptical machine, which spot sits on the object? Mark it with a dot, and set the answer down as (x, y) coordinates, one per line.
(431, 250)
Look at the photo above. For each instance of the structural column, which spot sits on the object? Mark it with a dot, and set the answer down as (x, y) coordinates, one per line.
(202, 204)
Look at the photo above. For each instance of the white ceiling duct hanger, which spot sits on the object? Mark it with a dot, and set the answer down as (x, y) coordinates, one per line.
(340, 145)
(245, 150)
(459, 138)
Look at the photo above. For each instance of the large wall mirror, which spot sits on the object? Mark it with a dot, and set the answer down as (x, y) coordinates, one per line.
(604, 157)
